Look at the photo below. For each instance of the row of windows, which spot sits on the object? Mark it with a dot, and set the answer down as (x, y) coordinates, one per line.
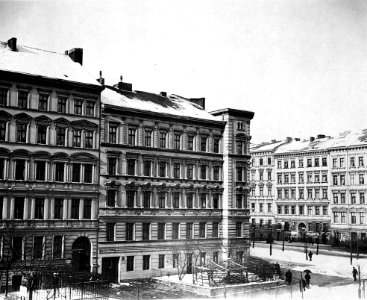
(262, 161)
(261, 190)
(64, 104)
(261, 207)
(261, 223)
(314, 177)
(340, 198)
(311, 210)
(340, 162)
(312, 193)
(339, 179)
(177, 230)
(261, 174)
(14, 247)
(42, 170)
(339, 217)
(41, 209)
(46, 135)
(164, 169)
(292, 163)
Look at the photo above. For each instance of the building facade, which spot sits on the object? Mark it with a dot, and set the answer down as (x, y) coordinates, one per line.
(49, 167)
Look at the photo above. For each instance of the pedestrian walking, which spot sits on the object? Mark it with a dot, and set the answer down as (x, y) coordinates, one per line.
(288, 277)
(277, 268)
(310, 255)
(308, 279)
(355, 273)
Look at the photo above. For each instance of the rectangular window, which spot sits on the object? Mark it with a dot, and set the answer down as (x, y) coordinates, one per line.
(87, 209)
(177, 141)
(112, 162)
(293, 164)
(18, 208)
(59, 171)
(341, 162)
(147, 168)
(353, 218)
(190, 171)
(175, 258)
(148, 138)
(203, 200)
(301, 210)
(60, 136)
(2, 130)
(353, 198)
(309, 193)
(316, 162)
(189, 200)
(76, 172)
(324, 162)
(336, 217)
(161, 231)
(132, 137)
(202, 259)
(215, 256)
(309, 210)
(162, 169)
(89, 109)
(361, 218)
(361, 198)
(75, 209)
(129, 231)
(216, 201)
(110, 232)
(22, 99)
(41, 134)
(335, 162)
(39, 208)
(239, 200)
(317, 210)
(301, 193)
(129, 263)
(239, 173)
(202, 226)
(301, 178)
(112, 134)
(111, 197)
(42, 102)
(342, 217)
(216, 145)
(336, 198)
(215, 173)
(324, 210)
(162, 200)
(317, 193)
(361, 179)
(215, 231)
(175, 230)
(300, 163)
(40, 170)
(57, 246)
(77, 137)
(61, 105)
(146, 262)
(38, 247)
(131, 167)
(78, 106)
(238, 229)
(163, 139)
(309, 162)
(190, 142)
(176, 170)
(3, 96)
(324, 193)
(352, 163)
(324, 178)
(21, 133)
(203, 172)
(146, 199)
(130, 199)
(88, 173)
(88, 139)
(59, 204)
(161, 261)
(176, 199)
(360, 161)
(17, 245)
(285, 164)
(188, 231)
(286, 209)
(146, 231)
(342, 198)
(203, 142)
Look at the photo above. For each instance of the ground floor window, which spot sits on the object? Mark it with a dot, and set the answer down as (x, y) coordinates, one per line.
(130, 263)
(146, 262)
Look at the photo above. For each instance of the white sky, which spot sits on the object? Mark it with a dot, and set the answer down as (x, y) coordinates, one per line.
(300, 65)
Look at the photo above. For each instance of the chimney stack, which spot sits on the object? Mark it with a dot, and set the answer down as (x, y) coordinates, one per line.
(100, 79)
(312, 138)
(198, 101)
(273, 141)
(297, 139)
(289, 139)
(163, 94)
(12, 44)
(123, 86)
(76, 54)
(320, 136)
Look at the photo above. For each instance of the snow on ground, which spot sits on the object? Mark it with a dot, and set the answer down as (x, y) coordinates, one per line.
(321, 264)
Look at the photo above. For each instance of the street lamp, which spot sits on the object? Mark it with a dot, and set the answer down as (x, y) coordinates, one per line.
(283, 223)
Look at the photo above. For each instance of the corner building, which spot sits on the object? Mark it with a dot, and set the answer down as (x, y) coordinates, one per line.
(166, 183)
(49, 149)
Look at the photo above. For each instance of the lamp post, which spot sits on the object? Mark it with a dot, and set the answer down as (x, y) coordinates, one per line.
(351, 248)
(283, 223)
(253, 237)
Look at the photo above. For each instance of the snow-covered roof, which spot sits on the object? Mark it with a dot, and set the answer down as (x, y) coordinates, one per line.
(31, 61)
(267, 146)
(171, 105)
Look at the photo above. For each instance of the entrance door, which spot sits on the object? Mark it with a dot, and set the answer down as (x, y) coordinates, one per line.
(81, 254)
(16, 282)
(110, 267)
(189, 263)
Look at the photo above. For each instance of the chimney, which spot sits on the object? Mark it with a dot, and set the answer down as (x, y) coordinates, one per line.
(163, 94)
(123, 86)
(273, 141)
(12, 44)
(297, 139)
(100, 79)
(76, 54)
(198, 101)
(289, 139)
(312, 138)
(320, 136)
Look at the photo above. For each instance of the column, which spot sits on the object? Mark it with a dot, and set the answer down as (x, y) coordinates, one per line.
(65, 209)
(12, 204)
(140, 134)
(183, 199)
(94, 209)
(52, 208)
(32, 208)
(26, 214)
(46, 212)
(154, 198)
(4, 209)
(169, 198)
(123, 198)
(138, 197)
(81, 209)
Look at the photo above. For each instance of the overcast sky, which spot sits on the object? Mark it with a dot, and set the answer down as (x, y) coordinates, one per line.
(300, 65)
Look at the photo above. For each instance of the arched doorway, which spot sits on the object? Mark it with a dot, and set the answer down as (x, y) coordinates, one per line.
(301, 229)
(81, 254)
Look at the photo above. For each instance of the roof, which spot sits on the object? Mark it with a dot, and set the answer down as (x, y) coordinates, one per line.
(144, 101)
(267, 146)
(235, 112)
(47, 64)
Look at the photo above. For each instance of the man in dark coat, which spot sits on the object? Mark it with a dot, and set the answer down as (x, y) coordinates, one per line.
(308, 279)
(310, 255)
(288, 277)
(355, 273)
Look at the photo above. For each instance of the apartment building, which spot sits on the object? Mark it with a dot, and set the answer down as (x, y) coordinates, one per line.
(167, 187)
(49, 148)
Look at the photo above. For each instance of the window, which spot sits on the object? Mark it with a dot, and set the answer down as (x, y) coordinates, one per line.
(2, 130)
(146, 199)
(110, 232)
(285, 164)
(147, 168)
(336, 198)
(335, 162)
(361, 218)
(309, 210)
(132, 137)
(61, 105)
(162, 169)
(316, 162)
(75, 208)
(353, 218)
(317, 210)
(293, 194)
(293, 164)
(269, 190)
(301, 193)
(111, 197)
(342, 217)
(352, 163)
(353, 198)
(269, 160)
(60, 136)
(300, 163)
(361, 179)
(269, 175)
(88, 139)
(161, 261)
(42, 102)
(148, 138)
(112, 134)
(324, 193)
(336, 217)
(279, 164)
(324, 162)
(301, 210)
(131, 167)
(341, 162)
(317, 177)
(351, 179)
(3, 96)
(58, 208)
(78, 106)
(20, 169)
(59, 171)
(335, 179)
(309, 162)
(309, 193)
(215, 173)
(216, 145)
(215, 231)
(161, 231)
(324, 178)
(175, 258)
(163, 139)
(202, 259)
(176, 170)
(202, 200)
(17, 245)
(175, 231)
(279, 178)
(57, 246)
(40, 170)
(361, 198)
(112, 166)
(342, 198)
(300, 178)
(190, 171)
(270, 208)
(309, 177)
(238, 229)
(77, 137)
(89, 108)
(190, 142)
(189, 200)
(129, 231)
(22, 133)
(286, 209)
(39, 208)
(146, 231)
(324, 210)
(18, 207)
(130, 199)
(286, 193)
(342, 179)
(239, 200)
(279, 192)
(38, 247)
(360, 161)
(203, 171)
(215, 201)
(215, 256)
(146, 262)
(22, 99)
(88, 173)
(203, 140)
(76, 172)
(188, 231)
(239, 147)
(129, 263)
(177, 142)
(176, 199)
(317, 193)
(162, 200)
(87, 209)
(286, 178)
